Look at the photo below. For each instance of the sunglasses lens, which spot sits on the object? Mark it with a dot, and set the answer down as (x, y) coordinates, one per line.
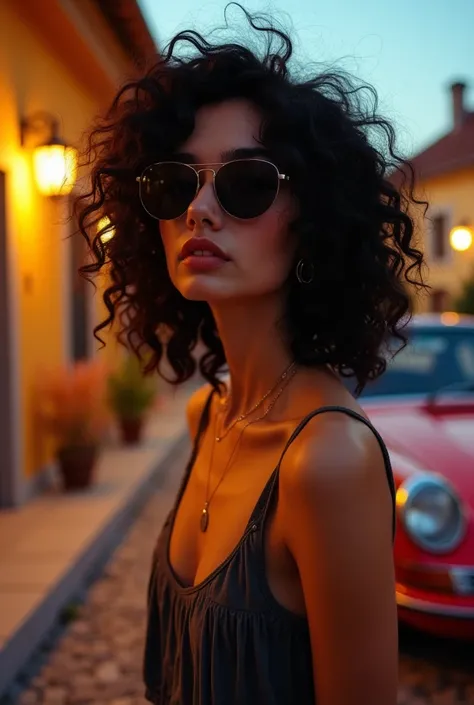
(167, 189)
(247, 188)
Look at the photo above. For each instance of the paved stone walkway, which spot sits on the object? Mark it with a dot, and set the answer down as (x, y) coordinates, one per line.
(99, 658)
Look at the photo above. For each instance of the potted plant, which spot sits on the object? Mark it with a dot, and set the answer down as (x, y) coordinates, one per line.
(73, 410)
(131, 395)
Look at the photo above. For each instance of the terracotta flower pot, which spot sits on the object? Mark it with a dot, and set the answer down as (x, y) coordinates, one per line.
(76, 465)
(131, 430)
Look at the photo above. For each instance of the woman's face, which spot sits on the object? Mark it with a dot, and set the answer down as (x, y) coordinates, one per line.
(257, 252)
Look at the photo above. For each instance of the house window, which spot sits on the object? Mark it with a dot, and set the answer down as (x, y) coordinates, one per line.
(439, 301)
(439, 236)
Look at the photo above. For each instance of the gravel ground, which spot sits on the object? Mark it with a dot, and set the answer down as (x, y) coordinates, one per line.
(98, 658)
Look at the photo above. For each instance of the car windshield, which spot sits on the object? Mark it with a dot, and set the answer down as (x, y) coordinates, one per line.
(432, 359)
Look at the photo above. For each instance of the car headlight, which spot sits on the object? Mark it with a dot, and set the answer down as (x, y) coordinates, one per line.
(431, 512)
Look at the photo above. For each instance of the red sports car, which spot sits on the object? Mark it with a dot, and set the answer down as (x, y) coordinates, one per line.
(424, 408)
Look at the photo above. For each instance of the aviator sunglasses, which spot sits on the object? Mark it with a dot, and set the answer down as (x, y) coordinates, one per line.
(244, 188)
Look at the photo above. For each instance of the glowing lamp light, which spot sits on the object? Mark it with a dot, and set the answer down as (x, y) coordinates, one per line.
(461, 238)
(106, 229)
(55, 168)
(54, 162)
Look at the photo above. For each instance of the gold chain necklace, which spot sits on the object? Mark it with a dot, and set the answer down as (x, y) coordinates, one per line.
(220, 436)
(204, 523)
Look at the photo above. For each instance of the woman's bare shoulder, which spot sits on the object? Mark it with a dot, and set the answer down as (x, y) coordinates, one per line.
(332, 441)
(337, 462)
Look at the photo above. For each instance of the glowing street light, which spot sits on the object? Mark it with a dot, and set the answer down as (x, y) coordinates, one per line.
(461, 238)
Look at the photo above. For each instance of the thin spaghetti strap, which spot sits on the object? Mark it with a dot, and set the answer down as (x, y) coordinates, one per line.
(349, 412)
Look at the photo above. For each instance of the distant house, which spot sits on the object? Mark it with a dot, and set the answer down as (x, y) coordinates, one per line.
(65, 59)
(445, 176)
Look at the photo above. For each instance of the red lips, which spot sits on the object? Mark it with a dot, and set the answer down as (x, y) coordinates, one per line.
(201, 243)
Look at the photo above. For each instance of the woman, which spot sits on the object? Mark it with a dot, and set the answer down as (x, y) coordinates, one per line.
(254, 222)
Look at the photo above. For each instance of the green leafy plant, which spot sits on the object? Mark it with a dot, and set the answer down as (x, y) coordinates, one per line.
(131, 394)
(465, 302)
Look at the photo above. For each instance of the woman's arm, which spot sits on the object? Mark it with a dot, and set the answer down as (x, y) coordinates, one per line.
(336, 511)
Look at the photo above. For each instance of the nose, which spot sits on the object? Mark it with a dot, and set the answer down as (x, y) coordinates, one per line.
(205, 210)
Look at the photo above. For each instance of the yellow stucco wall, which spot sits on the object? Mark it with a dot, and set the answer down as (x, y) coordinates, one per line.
(454, 195)
(32, 78)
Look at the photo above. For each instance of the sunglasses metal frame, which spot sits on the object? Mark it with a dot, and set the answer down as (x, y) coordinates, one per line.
(214, 171)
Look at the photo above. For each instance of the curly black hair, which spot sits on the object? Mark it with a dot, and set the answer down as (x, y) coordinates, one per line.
(354, 225)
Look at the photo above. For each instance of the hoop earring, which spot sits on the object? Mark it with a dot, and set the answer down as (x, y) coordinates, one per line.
(300, 274)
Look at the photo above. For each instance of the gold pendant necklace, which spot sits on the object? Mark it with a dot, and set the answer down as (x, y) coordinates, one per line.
(288, 376)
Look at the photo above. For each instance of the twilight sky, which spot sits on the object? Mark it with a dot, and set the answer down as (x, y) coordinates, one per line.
(410, 50)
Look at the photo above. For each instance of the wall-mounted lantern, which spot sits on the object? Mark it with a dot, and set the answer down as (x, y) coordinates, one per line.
(461, 237)
(54, 161)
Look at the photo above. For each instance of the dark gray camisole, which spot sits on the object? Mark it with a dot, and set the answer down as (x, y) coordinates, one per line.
(227, 641)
